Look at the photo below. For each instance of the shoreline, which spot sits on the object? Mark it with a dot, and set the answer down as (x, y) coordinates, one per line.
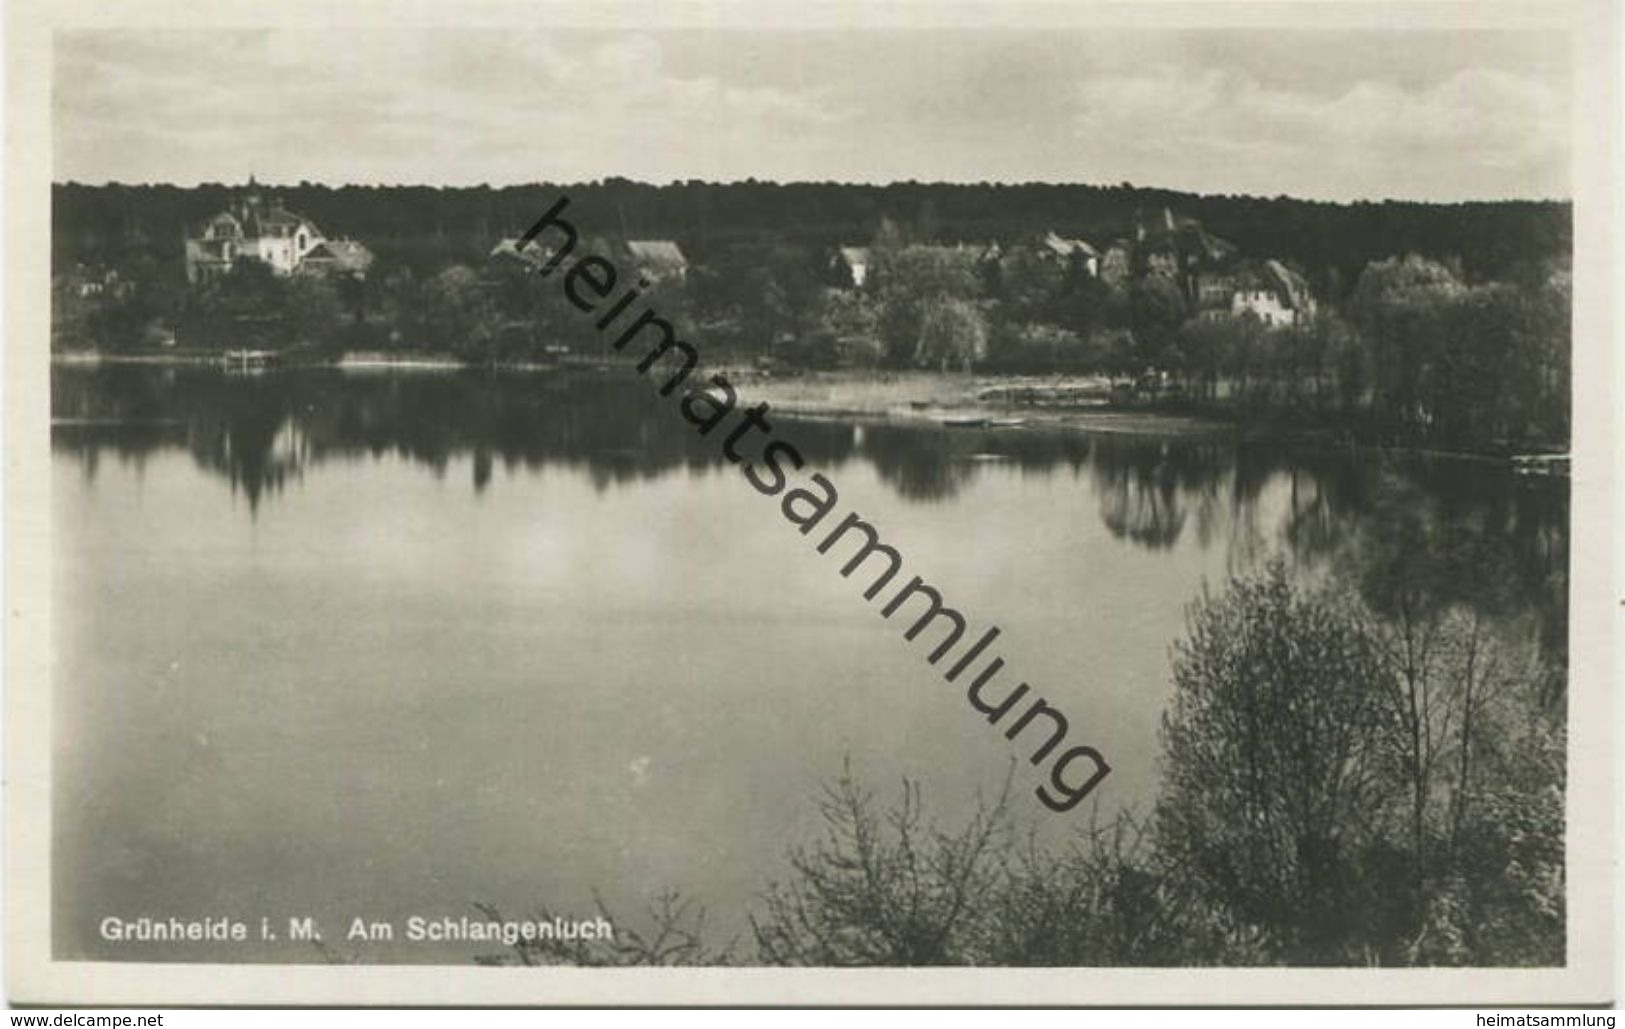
(950, 400)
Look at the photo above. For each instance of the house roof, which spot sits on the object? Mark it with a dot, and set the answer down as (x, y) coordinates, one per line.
(1288, 286)
(1178, 233)
(277, 215)
(658, 254)
(1067, 247)
(1251, 276)
(855, 256)
(345, 254)
(1292, 286)
(534, 254)
(1214, 248)
(258, 217)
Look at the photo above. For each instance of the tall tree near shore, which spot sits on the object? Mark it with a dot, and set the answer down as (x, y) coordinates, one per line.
(1273, 774)
(1339, 779)
(1398, 304)
(952, 335)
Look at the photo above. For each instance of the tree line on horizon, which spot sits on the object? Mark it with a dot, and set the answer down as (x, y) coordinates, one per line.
(428, 227)
(1443, 325)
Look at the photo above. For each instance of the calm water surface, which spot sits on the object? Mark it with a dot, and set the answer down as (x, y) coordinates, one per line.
(373, 646)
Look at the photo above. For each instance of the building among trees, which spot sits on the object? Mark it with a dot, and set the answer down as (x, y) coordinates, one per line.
(1069, 253)
(508, 254)
(337, 257)
(1268, 290)
(656, 258)
(850, 265)
(259, 228)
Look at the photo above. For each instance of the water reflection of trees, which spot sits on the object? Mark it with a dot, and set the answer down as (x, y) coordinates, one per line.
(1403, 529)
(1439, 534)
(259, 432)
(919, 464)
(1148, 487)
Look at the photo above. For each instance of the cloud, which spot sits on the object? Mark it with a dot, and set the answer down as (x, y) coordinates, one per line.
(1491, 131)
(443, 107)
(1312, 114)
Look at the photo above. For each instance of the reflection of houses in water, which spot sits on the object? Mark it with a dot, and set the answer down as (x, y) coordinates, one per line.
(1140, 496)
(290, 447)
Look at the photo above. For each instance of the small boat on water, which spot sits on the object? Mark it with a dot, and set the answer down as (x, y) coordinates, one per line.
(1005, 423)
(966, 423)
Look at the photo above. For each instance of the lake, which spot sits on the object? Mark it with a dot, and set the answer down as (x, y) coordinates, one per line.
(347, 645)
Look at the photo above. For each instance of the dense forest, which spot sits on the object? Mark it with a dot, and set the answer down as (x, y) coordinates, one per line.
(426, 228)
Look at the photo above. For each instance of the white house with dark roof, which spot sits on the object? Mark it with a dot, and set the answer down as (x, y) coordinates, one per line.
(1268, 290)
(255, 228)
(1274, 294)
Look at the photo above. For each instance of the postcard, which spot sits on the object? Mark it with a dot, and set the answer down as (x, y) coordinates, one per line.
(549, 504)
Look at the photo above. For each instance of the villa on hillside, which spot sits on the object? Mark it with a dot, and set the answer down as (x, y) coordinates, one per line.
(1210, 271)
(1268, 290)
(257, 228)
(1179, 247)
(1171, 246)
(1058, 256)
(1044, 261)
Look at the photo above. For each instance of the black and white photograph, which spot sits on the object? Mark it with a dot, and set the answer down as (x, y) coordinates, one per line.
(525, 493)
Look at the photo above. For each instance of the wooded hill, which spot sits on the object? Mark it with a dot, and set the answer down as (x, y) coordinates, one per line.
(141, 227)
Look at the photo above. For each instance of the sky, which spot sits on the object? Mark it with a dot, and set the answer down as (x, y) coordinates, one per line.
(1334, 115)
